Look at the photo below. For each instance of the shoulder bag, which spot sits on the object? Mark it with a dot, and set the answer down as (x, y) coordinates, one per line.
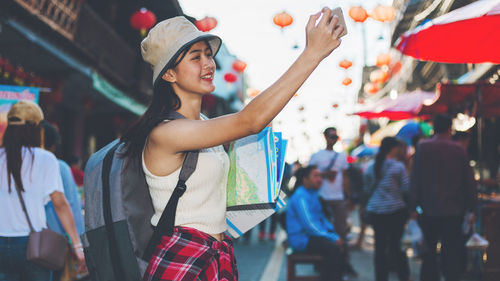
(45, 248)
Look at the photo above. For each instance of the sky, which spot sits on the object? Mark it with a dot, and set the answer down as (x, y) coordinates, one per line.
(247, 29)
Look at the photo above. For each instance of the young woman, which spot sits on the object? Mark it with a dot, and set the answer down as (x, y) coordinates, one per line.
(386, 181)
(183, 70)
(27, 168)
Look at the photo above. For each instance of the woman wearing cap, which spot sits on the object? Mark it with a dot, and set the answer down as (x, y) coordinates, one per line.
(183, 71)
(34, 172)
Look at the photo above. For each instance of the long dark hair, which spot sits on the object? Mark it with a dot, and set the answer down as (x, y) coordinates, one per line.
(15, 138)
(164, 101)
(388, 143)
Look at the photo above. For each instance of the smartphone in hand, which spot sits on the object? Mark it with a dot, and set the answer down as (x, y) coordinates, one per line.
(338, 12)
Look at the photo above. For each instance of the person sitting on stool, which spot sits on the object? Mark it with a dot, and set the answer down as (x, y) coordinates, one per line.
(309, 230)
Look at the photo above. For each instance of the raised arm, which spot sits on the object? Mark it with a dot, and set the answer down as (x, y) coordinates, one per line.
(184, 135)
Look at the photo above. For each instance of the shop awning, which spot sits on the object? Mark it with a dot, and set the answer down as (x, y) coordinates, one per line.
(405, 106)
(478, 98)
(56, 60)
(116, 96)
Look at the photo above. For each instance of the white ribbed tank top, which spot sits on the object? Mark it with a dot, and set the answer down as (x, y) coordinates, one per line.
(203, 205)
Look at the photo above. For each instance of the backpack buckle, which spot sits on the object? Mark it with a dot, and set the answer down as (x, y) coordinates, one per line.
(181, 186)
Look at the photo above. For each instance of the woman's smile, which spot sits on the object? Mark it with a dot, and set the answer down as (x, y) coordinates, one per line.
(209, 77)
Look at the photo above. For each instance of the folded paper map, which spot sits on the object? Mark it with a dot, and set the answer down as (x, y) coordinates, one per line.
(255, 174)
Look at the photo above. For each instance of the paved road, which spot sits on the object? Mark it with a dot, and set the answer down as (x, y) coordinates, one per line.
(266, 261)
(254, 258)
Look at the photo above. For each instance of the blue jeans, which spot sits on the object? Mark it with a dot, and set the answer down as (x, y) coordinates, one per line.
(13, 263)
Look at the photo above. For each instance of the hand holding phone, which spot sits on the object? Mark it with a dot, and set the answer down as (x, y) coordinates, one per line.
(323, 32)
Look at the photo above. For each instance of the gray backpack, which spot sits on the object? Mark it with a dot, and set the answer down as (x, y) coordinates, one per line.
(119, 239)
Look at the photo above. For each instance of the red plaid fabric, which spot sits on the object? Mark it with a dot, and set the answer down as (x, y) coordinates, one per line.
(190, 255)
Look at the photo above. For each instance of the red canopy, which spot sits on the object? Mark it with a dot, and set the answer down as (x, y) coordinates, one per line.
(405, 106)
(466, 35)
(460, 97)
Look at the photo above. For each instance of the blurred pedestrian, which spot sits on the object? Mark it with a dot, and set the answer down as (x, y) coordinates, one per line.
(309, 230)
(353, 187)
(76, 169)
(415, 140)
(402, 154)
(35, 174)
(52, 141)
(333, 166)
(463, 138)
(183, 65)
(273, 224)
(386, 183)
(444, 189)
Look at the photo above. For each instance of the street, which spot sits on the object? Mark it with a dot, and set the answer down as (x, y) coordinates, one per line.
(266, 260)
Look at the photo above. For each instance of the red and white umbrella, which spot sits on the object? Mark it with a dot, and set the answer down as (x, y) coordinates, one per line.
(470, 34)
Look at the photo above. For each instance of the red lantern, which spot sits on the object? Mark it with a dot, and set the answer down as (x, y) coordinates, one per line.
(370, 88)
(283, 19)
(335, 105)
(347, 81)
(239, 66)
(345, 64)
(383, 59)
(378, 76)
(383, 13)
(230, 77)
(206, 24)
(142, 20)
(358, 14)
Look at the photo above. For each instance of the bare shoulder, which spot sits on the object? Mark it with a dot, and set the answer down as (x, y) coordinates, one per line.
(164, 133)
(160, 155)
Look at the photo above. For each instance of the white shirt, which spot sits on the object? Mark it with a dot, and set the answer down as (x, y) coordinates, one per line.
(330, 190)
(41, 177)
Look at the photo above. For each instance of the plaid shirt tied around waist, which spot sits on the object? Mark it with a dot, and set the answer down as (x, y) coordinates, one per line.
(192, 255)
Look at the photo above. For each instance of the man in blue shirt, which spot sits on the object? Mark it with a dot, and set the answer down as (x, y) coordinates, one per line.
(309, 230)
(51, 140)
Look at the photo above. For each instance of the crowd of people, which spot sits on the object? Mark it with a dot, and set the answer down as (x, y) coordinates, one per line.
(434, 186)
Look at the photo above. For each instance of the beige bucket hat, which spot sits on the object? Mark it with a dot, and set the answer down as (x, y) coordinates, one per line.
(24, 112)
(168, 39)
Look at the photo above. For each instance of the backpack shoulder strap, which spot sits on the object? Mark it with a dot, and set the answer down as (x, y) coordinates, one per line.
(166, 223)
(108, 216)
